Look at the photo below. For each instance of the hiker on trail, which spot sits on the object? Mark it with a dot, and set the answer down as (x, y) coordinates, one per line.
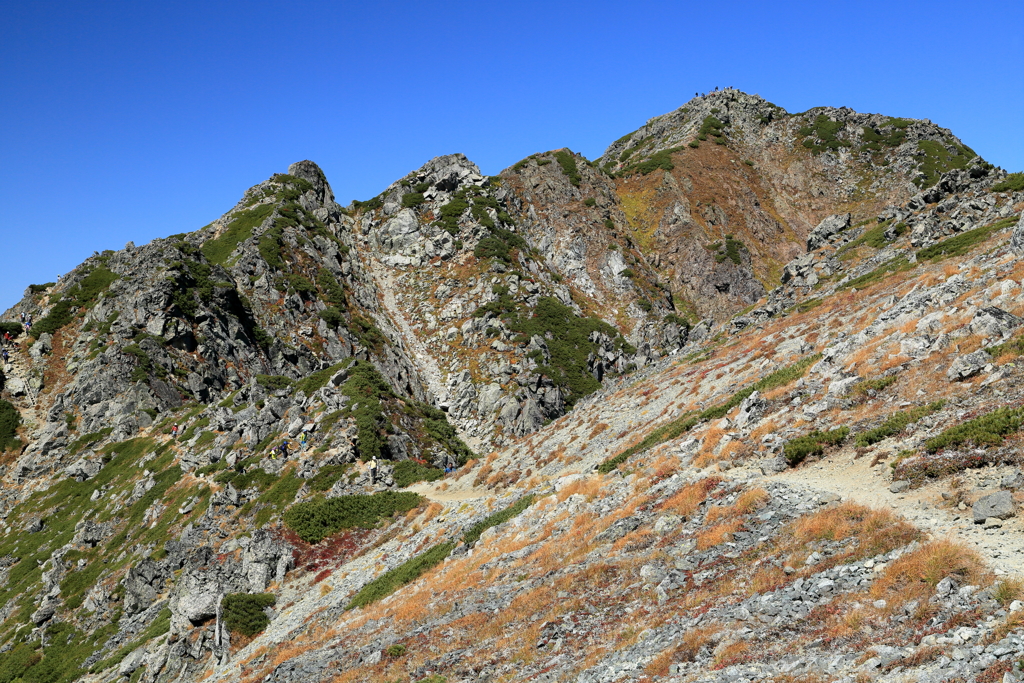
(284, 449)
(23, 317)
(303, 439)
(174, 431)
(5, 355)
(373, 470)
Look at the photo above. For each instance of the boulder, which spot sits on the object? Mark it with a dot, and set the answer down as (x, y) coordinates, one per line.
(751, 410)
(828, 227)
(998, 504)
(967, 366)
(994, 322)
(42, 346)
(1017, 240)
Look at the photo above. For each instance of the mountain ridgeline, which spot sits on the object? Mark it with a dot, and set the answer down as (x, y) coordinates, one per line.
(219, 446)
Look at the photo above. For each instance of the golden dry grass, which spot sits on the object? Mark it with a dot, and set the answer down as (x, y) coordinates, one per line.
(720, 533)
(686, 501)
(915, 575)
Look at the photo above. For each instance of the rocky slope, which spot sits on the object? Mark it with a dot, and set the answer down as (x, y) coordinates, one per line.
(822, 486)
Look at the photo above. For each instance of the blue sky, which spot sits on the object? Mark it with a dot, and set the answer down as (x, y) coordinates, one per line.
(127, 121)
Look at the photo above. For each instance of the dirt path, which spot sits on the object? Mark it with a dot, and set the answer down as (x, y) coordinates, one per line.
(857, 481)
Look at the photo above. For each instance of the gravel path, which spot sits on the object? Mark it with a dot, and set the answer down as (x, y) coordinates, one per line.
(856, 480)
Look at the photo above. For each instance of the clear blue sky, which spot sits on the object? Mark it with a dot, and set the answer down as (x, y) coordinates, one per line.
(128, 121)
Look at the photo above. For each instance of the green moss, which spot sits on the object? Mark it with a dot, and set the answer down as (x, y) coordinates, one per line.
(315, 520)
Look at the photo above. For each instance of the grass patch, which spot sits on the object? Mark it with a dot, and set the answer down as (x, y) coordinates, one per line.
(327, 477)
(935, 158)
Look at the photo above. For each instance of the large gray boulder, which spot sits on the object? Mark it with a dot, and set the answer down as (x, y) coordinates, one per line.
(830, 226)
(967, 366)
(1017, 240)
(993, 321)
(999, 505)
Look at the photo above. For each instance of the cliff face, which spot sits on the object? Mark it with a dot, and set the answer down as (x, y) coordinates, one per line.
(642, 506)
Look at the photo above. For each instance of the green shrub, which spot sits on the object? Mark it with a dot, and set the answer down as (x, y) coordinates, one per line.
(986, 430)
(243, 612)
(1011, 183)
(238, 230)
(826, 131)
(796, 450)
(82, 295)
(332, 316)
(896, 422)
(492, 247)
(610, 224)
(315, 381)
(451, 212)
(10, 420)
(273, 382)
(327, 477)
(396, 650)
(365, 389)
(590, 201)
(957, 245)
(869, 385)
(568, 163)
(472, 535)
(315, 520)
(13, 329)
(409, 571)
(411, 200)
(39, 289)
(334, 293)
(711, 126)
(269, 246)
(409, 472)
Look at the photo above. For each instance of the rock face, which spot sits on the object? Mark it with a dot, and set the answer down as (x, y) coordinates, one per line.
(831, 225)
(1017, 241)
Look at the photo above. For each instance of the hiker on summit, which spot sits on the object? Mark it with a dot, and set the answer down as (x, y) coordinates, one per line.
(373, 470)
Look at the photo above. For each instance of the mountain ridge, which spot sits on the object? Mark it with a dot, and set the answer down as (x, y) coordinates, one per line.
(597, 394)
